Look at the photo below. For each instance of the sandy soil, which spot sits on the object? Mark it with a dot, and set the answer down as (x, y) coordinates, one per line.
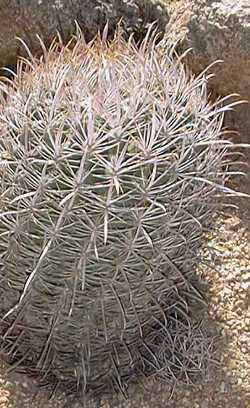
(228, 314)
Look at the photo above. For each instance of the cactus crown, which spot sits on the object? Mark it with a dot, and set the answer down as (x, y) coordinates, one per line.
(111, 158)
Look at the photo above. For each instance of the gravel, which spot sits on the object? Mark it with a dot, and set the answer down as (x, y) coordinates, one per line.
(228, 280)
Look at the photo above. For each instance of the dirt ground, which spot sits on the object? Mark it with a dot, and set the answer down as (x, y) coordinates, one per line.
(228, 313)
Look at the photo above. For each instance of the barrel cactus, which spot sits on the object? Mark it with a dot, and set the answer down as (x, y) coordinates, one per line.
(111, 164)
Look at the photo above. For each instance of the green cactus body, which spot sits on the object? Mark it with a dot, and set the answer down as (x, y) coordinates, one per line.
(111, 158)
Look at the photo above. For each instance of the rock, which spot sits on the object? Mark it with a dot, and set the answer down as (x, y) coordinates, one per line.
(26, 18)
(220, 30)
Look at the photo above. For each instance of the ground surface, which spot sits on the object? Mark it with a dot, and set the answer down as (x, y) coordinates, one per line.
(228, 314)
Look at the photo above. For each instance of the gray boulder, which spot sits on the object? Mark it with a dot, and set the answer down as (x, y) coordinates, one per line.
(26, 18)
(220, 30)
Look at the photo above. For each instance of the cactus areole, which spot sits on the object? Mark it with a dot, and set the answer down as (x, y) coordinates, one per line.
(111, 159)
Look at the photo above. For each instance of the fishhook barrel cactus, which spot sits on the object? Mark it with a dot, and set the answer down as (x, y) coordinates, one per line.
(111, 161)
